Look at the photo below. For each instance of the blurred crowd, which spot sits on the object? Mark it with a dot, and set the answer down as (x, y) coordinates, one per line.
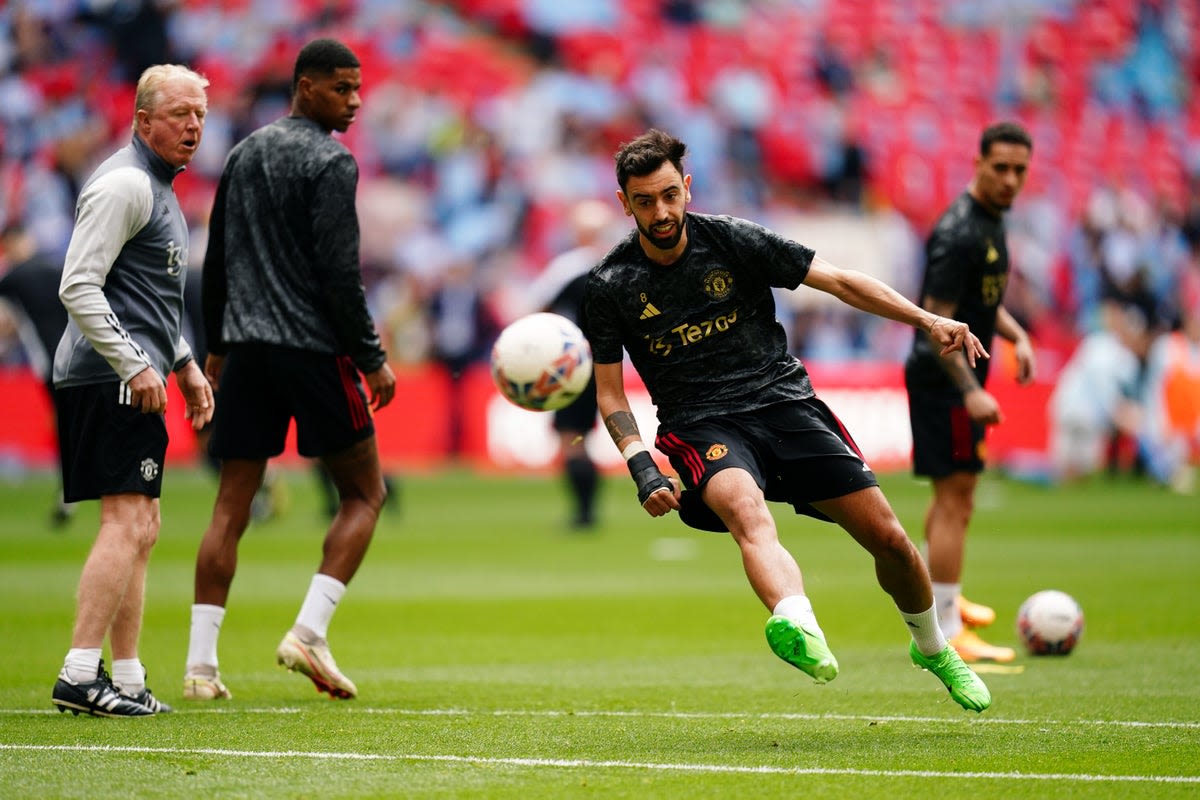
(486, 121)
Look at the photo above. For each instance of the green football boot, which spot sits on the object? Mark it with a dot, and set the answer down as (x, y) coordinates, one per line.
(960, 680)
(803, 649)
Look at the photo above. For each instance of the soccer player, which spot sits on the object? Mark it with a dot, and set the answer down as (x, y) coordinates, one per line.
(122, 286)
(966, 269)
(559, 290)
(688, 296)
(288, 335)
(30, 284)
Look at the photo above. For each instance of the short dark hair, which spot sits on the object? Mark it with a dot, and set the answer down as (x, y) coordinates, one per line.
(1007, 132)
(322, 57)
(647, 153)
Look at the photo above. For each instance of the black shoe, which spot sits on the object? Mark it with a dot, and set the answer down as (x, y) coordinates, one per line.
(97, 697)
(146, 698)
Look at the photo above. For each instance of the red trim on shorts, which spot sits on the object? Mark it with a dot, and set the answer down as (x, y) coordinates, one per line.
(846, 435)
(359, 415)
(673, 445)
(962, 437)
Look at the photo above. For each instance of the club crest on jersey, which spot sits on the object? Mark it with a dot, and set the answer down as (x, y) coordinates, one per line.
(149, 469)
(718, 284)
(716, 452)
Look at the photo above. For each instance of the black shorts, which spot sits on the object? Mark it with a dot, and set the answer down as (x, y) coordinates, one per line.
(798, 452)
(264, 387)
(580, 416)
(945, 439)
(108, 447)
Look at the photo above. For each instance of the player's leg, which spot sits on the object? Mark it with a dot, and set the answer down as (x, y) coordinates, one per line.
(572, 424)
(359, 481)
(216, 566)
(358, 478)
(128, 672)
(869, 519)
(946, 525)
(792, 630)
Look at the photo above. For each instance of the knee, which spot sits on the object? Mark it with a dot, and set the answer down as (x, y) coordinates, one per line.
(893, 543)
(148, 529)
(372, 495)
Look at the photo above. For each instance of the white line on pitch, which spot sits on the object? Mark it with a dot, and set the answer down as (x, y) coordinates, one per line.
(607, 764)
(766, 716)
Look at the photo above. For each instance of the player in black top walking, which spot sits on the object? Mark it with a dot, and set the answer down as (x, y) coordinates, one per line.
(688, 296)
(966, 271)
(288, 334)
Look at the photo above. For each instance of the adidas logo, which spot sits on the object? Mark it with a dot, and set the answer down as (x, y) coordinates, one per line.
(649, 311)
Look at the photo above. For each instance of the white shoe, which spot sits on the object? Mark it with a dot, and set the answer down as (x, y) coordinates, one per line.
(314, 660)
(201, 687)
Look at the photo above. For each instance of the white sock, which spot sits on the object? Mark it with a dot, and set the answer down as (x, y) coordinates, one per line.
(206, 628)
(945, 600)
(925, 631)
(324, 594)
(798, 608)
(128, 675)
(82, 664)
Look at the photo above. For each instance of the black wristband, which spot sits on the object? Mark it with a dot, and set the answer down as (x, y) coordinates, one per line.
(647, 475)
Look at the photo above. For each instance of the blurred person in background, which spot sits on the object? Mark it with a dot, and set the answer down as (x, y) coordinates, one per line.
(461, 333)
(1097, 394)
(689, 297)
(966, 273)
(29, 285)
(122, 286)
(1170, 437)
(559, 289)
(288, 334)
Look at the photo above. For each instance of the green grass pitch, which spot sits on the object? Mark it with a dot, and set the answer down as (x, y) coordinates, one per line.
(500, 655)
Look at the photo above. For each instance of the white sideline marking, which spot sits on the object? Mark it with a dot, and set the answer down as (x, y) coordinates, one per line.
(516, 712)
(637, 765)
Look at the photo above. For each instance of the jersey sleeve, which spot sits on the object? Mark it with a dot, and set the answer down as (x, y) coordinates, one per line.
(111, 210)
(336, 240)
(599, 321)
(783, 263)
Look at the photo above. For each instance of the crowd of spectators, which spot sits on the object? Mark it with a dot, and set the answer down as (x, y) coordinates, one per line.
(485, 121)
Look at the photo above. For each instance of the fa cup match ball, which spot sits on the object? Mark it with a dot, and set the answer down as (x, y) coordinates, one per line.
(541, 362)
(1050, 622)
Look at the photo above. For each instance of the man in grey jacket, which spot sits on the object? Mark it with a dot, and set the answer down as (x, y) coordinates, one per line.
(122, 286)
(289, 334)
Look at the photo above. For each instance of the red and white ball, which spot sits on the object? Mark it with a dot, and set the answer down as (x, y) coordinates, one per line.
(541, 362)
(1050, 622)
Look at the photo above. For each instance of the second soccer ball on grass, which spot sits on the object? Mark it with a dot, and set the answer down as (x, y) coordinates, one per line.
(1050, 622)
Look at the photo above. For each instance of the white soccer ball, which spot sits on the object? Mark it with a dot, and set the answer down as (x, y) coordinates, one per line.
(541, 362)
(1050, 622)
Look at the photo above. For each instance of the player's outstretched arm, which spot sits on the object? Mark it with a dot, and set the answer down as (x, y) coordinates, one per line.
(872, 295)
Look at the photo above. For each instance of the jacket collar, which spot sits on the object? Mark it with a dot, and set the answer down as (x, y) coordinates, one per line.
(158, 166)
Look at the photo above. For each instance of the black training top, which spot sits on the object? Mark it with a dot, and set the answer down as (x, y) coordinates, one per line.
(701, 332)
(282, 265)
(966, 263)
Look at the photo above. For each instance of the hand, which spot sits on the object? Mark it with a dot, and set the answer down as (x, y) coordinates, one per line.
(197, 394)
(148, 393)
(381, 385)
(953, 336)
(212, 370)
(1026, 361)
(657, 493)
(982, 407)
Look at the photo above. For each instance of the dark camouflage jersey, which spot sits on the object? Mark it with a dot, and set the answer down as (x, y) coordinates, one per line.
(701, 332)
(966, 263)
(282, 262)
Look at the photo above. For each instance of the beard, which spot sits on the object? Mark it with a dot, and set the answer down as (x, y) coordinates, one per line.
(659, 242)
